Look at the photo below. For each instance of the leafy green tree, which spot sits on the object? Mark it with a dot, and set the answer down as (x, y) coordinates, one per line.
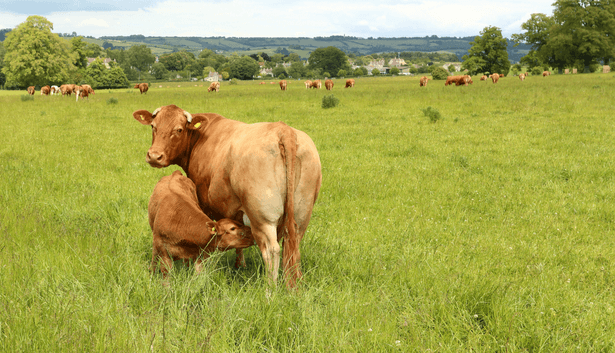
(116, 78)
(279, 70)
(244, 68)
(293, 57)
(341, 73)
(375, 72)
(329, 59)
(297, 70)
(99, 76)
(394, 71)
(2, 76)
(488, 53)
(35, 55)
(78, 50)
(364, 70)
(159, 71)
(439, 73)
(451, 68)
(207, 70)
(225, 75)
(177, 61)
(93, 50)
(140, 57)
(358, 72)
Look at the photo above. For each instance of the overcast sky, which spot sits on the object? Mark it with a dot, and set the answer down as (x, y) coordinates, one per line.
(276, 18)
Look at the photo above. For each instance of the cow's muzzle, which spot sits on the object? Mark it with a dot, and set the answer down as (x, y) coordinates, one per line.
(156, 159)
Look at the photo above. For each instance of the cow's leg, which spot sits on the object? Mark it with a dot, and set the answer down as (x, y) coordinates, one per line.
(266, 239)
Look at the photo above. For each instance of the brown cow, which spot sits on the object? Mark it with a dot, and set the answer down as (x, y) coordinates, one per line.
(66, 90)
(143, 87)
(181, 230)
(276, 190)
(31, 90)
(82, 91)
(495, 78)
(316, 84)
(545, 73)
(88, 88)
(483, 78)
(349, 83)
(54, 90)
(329, 85)
(522, 77)
(262, 83)
(45, 90)
(423, 81)
(464, 80)
(214, 86)
(452, 79)
(283, 85)
(308, 84)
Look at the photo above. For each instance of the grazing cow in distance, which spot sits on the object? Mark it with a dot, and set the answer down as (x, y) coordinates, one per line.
(283, 85)
(349, 83)
(31, 90)
(276, 190)
(88, 88)
(316, 84)
(54, 90)
(423, 81)
(262, 83)
(143, 87)
(545, 73)
(328, 85)
(522, 77)
(180, 229)
(483, 78)
(66, 90)
(452, 79)
(214, 86)
(82, 91)
(45, 90)
(308, 84)
(495, 78)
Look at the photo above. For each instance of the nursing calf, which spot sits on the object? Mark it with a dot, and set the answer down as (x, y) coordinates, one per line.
(181, 230)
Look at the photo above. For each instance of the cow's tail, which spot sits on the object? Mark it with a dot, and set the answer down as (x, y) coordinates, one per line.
(291, 256)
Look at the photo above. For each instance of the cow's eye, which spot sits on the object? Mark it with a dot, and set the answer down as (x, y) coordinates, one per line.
(180, 130)
(233, 228)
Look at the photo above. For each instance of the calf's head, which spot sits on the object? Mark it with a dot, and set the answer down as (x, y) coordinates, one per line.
(230, 234)
(172, 129)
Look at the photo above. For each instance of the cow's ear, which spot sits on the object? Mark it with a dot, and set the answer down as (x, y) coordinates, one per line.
(143, 116)
(212, 227)
(199, 122)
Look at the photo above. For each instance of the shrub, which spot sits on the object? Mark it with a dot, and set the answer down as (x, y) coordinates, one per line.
(375, 72)
(326, 74)
(112, 100)
(27, 97)
(433, 114)
(341, 73)
(536, 71)
(233, 81)
(394, 71)
(330, 101)
(439, 73)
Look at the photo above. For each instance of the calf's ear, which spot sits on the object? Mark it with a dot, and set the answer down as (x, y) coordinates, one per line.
(212, 227)
(143, 116)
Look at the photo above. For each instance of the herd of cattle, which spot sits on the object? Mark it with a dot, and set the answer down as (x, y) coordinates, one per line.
(317, 84)
(82, 91)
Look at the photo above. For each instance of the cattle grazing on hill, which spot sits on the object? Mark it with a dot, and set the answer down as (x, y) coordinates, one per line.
(349, 83)
(494, 78)
(308, 84)
(214, 86)
(316, 84)
(328, 85)
(458, 80)
(423, 81)
(521, 77)
(181, 231)
(66, 90)
(143, 87)
(452, 79)
(275, 190)
(31, 90)
(545, 73)
(283, 85)
(45, 90)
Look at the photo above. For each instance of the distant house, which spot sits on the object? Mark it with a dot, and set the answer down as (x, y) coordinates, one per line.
(397, 62)
(266, 72)
(456, 65)
(106, 61)
(213, 77)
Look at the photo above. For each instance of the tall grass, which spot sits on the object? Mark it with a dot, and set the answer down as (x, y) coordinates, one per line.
(491, 230)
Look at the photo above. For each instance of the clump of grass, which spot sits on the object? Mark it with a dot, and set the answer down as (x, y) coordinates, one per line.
(330, 101)
(112, 100)
(595, 86)
(433, 114)
(27, 97)
(232, 81)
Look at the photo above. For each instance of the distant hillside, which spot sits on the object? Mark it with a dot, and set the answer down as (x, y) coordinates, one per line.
(304, 45)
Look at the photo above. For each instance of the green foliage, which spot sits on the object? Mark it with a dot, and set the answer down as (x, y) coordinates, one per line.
(433, 114)
(536, 71)
(177, 61)
(329, 101)
(451, 69)
(326, 74)
(297, 70)
(233, 81)
(140, 57)
(358, 71)
(112, 100)
(98, 76)
(341, 73)
(225, 75)
(394, 71)
(35, 55)
(26, 98)
(375, 72)
(244, 68)
(159, 71)
(279, 70)
(438, 73)
(329, 59)
(488, 53)
(78, 49)
(93, 50)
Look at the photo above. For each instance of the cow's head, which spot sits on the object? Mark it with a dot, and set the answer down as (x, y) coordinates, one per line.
(230, 234)
(172, 129)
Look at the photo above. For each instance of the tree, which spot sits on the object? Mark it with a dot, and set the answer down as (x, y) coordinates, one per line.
(2, 76)
(106, 45)
(452, 68)
(244, 68)
(341, 73)
(100, 77)
(78, 49)
(488, 53)
(297, 69)
(93, 50)
(358, 72)
(375, 72)
(293, 57)
(159, 71)
(279, 70)
(35, 55)
(438, 73)
(394, 71)
(140, 57)
(329, 59)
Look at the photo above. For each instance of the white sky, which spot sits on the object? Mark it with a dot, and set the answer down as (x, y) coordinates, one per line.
(276, 18)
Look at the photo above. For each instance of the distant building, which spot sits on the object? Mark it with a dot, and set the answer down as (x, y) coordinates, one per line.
(213, 77)
(397, 62)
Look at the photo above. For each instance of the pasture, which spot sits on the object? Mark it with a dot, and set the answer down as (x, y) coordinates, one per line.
(491, 230)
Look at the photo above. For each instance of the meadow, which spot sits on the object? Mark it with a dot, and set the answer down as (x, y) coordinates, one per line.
(490, 230)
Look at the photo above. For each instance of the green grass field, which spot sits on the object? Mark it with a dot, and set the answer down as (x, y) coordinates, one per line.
(491, 230)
